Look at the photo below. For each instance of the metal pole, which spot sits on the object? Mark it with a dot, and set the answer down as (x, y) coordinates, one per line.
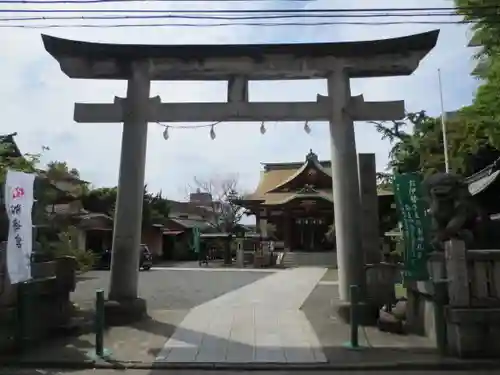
(99, 323)
(443, 125)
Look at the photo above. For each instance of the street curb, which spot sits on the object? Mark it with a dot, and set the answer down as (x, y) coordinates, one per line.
(445, 365)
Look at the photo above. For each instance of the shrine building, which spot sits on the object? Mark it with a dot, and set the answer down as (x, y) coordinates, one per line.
(293, 203)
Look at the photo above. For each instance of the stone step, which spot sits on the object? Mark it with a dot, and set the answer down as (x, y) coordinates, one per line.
(309, 259)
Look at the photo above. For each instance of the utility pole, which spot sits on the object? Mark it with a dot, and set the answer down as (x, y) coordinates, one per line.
(443, 125)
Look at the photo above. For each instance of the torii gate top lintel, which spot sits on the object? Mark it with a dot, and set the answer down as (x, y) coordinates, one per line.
(386, 57)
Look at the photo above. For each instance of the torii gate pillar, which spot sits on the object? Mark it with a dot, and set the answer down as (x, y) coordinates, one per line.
(345, 185)
(128, 211)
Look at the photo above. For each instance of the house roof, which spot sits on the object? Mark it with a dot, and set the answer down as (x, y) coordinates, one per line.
(189, 208)
(191, 223)
(63, 177)
(187, 62)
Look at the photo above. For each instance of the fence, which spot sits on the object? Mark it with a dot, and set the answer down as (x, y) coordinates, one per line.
(472, 304)
(473, 275)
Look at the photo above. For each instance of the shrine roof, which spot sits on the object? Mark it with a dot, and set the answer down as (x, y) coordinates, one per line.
(80, 59)
(11, 149)
(276, 175)
(481, 180)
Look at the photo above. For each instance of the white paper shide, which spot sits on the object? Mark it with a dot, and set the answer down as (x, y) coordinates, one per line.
(19, 204)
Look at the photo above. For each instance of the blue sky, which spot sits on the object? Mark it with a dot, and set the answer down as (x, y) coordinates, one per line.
(38, 99)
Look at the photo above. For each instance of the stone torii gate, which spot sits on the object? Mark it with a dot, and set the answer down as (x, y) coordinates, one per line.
(236, 64)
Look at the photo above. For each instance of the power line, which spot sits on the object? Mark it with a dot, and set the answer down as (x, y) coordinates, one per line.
(66, 2)
(69, 2)
(255, 24)
(237, 18)
(227, 15)
(237, 11)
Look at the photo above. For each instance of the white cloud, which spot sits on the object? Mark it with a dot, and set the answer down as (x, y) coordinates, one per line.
(38, 98)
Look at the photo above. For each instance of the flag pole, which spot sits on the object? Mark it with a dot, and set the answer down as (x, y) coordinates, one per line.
(443, 125)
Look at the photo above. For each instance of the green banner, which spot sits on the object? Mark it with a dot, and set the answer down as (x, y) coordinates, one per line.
(415, 224)
(196, 240)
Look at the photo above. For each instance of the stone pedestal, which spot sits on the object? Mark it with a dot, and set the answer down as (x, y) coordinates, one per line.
(287, 230)
(370, 236)
(240, 254)
(367, 313)
(473, 333)
(263, 227)
(380, 280)
(125, 311)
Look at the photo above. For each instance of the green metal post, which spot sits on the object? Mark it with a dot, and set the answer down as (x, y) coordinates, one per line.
(99, 322)
(354, 294)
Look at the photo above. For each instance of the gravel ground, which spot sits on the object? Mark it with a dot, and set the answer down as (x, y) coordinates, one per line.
(170, 289)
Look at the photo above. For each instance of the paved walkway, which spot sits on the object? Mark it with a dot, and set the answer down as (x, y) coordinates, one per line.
(198, 268)
(260, 322)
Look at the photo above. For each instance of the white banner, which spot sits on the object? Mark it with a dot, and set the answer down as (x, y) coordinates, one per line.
(19, 204)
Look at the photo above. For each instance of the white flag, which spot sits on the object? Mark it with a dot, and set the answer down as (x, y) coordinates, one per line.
(19, 204)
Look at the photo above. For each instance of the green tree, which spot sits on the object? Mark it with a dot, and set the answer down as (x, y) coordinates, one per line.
(11, 158)
(484, 15)
(483, 115)
(60, 169)
(417, 145)
(155, 208)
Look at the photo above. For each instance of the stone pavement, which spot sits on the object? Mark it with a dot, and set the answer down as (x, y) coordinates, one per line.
(260, 322)
(267, 306)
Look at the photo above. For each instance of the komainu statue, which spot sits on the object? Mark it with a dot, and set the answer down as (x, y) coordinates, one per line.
(453, 212)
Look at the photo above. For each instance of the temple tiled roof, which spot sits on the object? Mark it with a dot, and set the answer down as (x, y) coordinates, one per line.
(271, 189)
(274, 180)
(481, 180)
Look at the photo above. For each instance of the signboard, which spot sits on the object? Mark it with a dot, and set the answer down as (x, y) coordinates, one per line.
(415, 223)
(196, 240)
(18, 205)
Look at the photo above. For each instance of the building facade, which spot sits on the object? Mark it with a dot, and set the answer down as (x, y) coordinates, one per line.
(293, 203)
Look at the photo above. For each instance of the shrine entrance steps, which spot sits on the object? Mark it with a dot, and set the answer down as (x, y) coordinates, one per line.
(309, 259)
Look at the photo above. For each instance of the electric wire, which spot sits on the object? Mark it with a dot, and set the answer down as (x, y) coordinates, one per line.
(251, 24)
(251, 11)
(237, 18)
(227, 15)
(168, 16)
(69, 2)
